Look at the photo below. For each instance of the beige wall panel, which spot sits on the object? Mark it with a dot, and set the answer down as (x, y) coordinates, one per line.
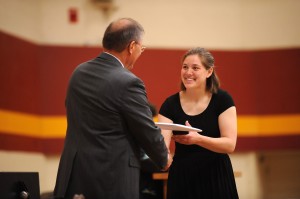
(46, 166)
(216, 24)
(249, 183)
(21, 18)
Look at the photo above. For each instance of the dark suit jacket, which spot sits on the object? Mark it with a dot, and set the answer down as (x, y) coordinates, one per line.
(108, 121)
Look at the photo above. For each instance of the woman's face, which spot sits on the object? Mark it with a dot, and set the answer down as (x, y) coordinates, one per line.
(193, 73)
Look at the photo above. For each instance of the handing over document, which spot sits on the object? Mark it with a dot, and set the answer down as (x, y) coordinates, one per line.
(176, 127)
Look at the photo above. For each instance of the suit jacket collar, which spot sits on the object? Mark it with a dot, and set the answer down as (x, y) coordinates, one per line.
(109, 56)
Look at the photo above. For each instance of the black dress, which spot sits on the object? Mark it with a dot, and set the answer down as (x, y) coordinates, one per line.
(197, 172)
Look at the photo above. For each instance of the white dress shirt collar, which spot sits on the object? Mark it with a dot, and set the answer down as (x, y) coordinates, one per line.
(116, 58)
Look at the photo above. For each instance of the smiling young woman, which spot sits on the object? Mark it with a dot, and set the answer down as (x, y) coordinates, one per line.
(201, 166)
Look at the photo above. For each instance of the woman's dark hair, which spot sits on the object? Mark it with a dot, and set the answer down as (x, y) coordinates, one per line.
(118, 38)
(208, 61)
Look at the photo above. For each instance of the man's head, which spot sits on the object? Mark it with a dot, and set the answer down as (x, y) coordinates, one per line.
(124, 38)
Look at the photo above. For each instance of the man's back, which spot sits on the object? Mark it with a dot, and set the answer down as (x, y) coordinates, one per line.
(109, 120)
(102, 103)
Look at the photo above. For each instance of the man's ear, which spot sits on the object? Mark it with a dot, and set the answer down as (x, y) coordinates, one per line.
(131, 47)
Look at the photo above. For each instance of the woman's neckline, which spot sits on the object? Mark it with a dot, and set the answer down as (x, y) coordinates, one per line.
(181, 94)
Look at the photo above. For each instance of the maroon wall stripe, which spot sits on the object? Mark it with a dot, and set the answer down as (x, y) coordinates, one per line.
(261, 82)
(19, 75)
(33, 79)
(268, 143)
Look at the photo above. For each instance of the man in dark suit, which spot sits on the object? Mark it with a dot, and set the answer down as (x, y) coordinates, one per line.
(109, 120)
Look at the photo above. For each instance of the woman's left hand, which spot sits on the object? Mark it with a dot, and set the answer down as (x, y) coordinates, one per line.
(187, 139)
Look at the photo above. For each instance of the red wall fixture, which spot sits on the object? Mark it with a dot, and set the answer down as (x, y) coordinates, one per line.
(73, 15)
